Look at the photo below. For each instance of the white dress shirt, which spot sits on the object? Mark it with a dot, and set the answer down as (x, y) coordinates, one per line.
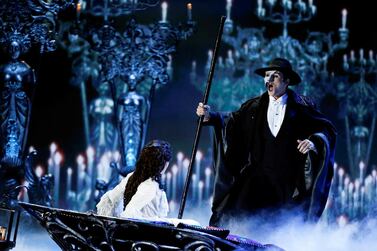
(276, 112)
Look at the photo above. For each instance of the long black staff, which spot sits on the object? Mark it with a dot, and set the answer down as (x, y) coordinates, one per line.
(200, 121)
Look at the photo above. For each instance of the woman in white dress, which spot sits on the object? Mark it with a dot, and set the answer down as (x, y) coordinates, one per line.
(140, 194)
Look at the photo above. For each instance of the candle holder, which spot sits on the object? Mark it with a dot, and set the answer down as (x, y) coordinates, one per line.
(360, 106)
(133, 64)
(250, 49)
(8, 227)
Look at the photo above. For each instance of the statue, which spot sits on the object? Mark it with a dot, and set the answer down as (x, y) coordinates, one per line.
(17, 83)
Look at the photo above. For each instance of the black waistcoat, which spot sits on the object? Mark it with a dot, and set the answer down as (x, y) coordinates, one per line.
(279, 162)
(269, 183)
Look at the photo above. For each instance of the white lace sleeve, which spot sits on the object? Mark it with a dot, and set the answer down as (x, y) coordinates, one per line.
(111, 203)
(105, 207)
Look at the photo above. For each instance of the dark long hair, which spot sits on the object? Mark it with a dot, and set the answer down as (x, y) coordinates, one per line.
(151, 162)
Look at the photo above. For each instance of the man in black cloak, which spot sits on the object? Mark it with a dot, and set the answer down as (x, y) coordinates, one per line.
(276, 153)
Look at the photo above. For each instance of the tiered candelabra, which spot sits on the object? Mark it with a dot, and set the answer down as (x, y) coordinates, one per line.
(360, 107)
(125, 68)
(251, 49)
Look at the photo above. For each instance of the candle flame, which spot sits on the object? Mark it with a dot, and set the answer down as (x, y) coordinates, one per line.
(78, 7)
(189, 6)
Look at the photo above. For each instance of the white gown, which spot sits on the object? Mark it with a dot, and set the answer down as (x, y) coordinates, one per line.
(148, 203)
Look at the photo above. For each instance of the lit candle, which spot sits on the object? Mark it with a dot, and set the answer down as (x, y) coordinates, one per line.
(207, 172)
(174, 170)
(259, 8)
(246, 48)
(344, 19)
(345, 59)
(189, 12)
(69, 181)
(90, 156)
(185, 165)
(78, 9)
(209, 59)
(58, 157)
(193, 66)
(340, 180)
(164, 12)
(371, 59)
(200, 192)
(193, 186)
(352, 55)
(312, 7)
(80, 173)
(361, 53)
(361, 164)
(228, 8)
(198, 159)
(230, 57)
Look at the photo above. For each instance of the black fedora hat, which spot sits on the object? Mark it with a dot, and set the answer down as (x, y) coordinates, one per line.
(282, 65)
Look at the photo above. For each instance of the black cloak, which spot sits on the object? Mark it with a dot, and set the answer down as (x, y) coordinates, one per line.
(238, 149)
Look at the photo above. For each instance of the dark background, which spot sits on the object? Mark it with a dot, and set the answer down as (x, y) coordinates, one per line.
(57, 114)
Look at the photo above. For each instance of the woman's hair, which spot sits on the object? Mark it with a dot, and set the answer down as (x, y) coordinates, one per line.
(150, 164)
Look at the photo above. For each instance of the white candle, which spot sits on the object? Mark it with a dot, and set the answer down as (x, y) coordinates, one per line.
(259, 8)
(200, 192)
(361, 164)
(90, 156)
(189, 12)
(198, 159)
(185, 165)
(344, 18)
(230, 57)
(194, 185)
(58, 157)
(207, 184)
(164, 12)
(228, 8)
(80, 176)
(352, 56)
(340, 180)
(345, 59)
(174, 170)
(361, 52)
(371, 59)
(69, 181)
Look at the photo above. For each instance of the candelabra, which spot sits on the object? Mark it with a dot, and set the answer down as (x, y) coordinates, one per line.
(23, 24)
(360, 108)
(125, 68)
(250, 49)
